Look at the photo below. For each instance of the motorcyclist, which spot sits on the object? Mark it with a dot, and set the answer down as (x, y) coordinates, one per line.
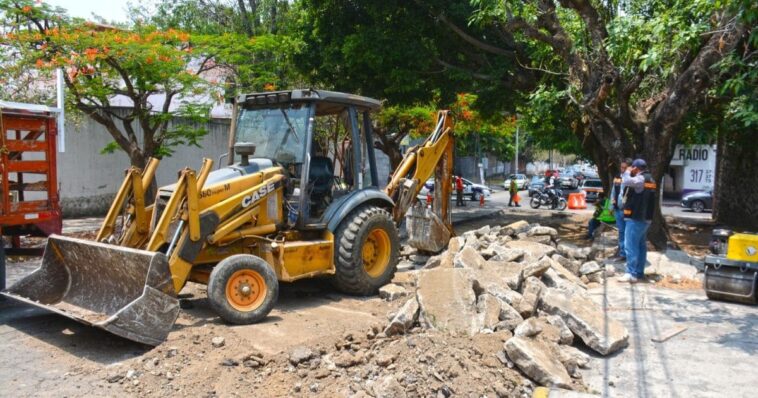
(551, 180)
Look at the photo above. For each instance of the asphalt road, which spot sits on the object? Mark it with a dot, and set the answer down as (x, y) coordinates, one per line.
(499, 200)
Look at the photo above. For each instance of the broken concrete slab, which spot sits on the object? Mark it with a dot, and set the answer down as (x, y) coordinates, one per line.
(509, 317)
(515, 228)
(571, 265)
(392, 291)
(488, 307)
(573, 251)
(511, 297)
(541, 230)
(572, 358)
(544, 239)
(537, 268)
(503, 253)
(530, 296)
(537, 250)
(670, 263)
(529, 328)
(589, 268)
(538, 361)
(586, 320)
(565, 336)
(565, 273)
(482, 231)
(443, 260)
(455, 244)
(468, 257)
(404, 319)
(447, 300)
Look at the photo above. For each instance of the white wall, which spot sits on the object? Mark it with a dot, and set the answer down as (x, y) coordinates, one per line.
(88, 180)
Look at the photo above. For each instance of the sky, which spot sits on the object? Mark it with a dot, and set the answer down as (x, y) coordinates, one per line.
(111, 10)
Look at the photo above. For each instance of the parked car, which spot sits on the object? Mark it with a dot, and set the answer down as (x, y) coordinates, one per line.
(698, 201)
(568, 181)
(521, 181)
(592, 187)
(471, 190)
(536, 185)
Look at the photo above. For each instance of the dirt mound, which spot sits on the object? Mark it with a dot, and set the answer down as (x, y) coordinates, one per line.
(417, 364)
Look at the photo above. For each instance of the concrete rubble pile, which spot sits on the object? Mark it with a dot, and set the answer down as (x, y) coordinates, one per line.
(516, 279)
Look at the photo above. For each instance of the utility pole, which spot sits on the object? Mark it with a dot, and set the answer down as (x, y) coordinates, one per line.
(515, 169)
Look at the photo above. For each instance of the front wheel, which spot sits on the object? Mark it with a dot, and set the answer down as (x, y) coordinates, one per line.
(365, 251)
(561, 204)
(243, 289)
(474, 196)
(698, 206)
(535, 202)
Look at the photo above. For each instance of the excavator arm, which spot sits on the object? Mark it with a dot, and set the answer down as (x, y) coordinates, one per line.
(429, 228)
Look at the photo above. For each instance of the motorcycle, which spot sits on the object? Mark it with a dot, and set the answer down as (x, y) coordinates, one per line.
(542, 198)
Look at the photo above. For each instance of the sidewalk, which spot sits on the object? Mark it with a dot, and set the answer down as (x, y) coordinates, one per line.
(716, 355)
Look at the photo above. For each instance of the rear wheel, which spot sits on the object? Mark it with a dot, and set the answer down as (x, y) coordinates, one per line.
(243, 289)
(366, 251)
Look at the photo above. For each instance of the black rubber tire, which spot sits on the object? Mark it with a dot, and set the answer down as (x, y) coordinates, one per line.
(535, 202)
(698, 206)
(351, 276)
(561, 204)
(474, 197)
(217, 288)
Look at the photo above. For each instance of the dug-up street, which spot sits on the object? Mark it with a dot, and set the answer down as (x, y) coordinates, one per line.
(517, 301)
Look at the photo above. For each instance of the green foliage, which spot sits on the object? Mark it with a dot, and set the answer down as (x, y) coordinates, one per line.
(549, 121)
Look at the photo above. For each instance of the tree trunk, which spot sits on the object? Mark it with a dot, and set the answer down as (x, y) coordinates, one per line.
(736, 185)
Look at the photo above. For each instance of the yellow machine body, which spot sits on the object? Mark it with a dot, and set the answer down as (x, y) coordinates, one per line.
(743, 247)
(128, 279)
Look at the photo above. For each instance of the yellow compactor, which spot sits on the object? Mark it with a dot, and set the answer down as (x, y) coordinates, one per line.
(293, 206)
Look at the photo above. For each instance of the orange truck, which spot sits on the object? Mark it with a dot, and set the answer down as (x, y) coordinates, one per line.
(29, 201)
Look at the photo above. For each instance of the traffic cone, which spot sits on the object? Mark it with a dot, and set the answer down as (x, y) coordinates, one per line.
(576, 201)
(481, 200)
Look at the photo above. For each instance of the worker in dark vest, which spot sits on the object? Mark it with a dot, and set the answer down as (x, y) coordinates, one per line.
(639, 205)
(617, 199)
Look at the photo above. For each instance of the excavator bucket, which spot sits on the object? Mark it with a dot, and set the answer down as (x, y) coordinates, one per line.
(125, 291)
(426, 231)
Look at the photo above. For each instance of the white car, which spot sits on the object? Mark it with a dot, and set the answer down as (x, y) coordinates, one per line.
(471, 190)
(521, 182)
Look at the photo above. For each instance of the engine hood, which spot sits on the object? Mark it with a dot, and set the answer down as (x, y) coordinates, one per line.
(225, 173)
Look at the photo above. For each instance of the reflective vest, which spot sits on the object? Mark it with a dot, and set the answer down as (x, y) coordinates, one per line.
(616, 191)
(640, 206)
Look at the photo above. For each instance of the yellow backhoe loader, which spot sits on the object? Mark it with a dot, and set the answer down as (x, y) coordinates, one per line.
(292, 207)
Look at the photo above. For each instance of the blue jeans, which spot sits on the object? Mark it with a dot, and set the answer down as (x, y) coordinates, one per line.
(621, 225)
(635, 244)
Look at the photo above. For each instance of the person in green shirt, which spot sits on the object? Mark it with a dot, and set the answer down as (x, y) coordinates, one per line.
(513, 190)
(594, 221)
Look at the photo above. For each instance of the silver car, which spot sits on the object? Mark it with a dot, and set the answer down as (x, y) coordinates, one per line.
(521, 181)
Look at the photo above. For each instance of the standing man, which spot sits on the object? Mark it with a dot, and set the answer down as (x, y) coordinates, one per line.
(617, 199)
(513, 190)
(459, 191)
(639, 205)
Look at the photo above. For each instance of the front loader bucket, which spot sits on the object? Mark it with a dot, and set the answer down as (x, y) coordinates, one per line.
(125, 291)
(426, 231)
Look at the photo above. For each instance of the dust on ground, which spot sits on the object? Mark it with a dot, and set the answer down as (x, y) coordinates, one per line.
(340, 330)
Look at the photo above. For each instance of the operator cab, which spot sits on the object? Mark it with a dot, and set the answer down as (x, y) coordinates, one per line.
(322, 139)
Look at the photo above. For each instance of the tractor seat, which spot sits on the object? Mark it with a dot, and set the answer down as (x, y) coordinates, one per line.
(320, 175)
